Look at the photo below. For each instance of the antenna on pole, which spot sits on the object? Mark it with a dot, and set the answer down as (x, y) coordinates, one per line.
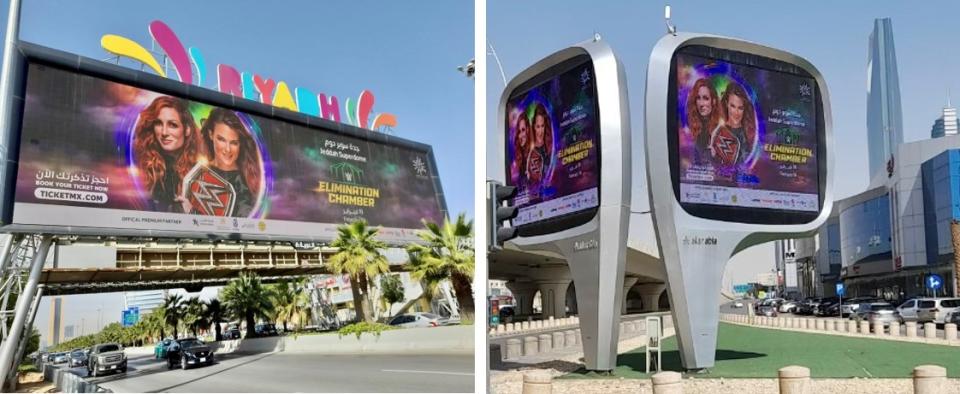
(671, 29)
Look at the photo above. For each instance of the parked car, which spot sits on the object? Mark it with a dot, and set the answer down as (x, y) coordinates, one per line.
(953, 317)
(788, 306)
(265, 330)
(417, 319)
(60, 358)
(767, 310)
(160, 349)
(853, 304)
(737, 304)
(908, 310)
(188, 352)
(78, 358)
(936, 309)
(232, 332)
(879, 312)
(820, 308)
(106, 357)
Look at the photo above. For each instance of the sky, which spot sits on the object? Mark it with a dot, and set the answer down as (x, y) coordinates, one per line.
(406, 53)
(831, 35)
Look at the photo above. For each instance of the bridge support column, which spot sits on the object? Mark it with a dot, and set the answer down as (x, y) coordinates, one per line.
(9, 346)
(650, 295)
(553, 297)
(628, 282)
(523, 293)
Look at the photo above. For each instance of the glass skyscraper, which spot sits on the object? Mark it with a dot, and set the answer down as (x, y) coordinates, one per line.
(884, 117)
(946, 124)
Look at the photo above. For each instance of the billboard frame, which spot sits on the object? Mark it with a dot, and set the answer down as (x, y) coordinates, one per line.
(595, 251)
(695, 250)
(29, 53)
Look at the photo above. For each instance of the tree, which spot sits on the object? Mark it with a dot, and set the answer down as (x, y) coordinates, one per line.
(195, 315)
(446, 252)
(391, 289)
(173, 312)
(215, 315)
(247, 297)
(291, 300)
(359, 256)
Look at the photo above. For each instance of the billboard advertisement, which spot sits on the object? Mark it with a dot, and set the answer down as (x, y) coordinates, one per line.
(101, 154)
(747, 133)
(553, 145)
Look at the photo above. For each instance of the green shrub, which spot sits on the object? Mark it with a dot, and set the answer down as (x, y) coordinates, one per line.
(362, 327)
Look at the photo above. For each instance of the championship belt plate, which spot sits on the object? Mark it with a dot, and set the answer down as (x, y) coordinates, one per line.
(208, 192)
(726, 146)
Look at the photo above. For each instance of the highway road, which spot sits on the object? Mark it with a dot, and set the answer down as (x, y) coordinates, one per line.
(299, 372)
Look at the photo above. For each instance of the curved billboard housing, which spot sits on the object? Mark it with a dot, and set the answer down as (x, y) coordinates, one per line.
(108, 151)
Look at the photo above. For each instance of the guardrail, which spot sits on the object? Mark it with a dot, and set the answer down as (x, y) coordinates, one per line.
(852, 328)
(67, 382)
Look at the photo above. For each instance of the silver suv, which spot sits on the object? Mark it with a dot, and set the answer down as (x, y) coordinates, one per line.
(106, 357)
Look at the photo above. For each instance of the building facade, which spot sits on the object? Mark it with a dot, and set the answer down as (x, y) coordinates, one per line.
(147, 301)
(946, 124)
(884, 116)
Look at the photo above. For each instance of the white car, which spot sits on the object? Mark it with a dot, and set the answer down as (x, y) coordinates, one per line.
(924, 310)
(788, 307)
(738, 304)
(416, 319)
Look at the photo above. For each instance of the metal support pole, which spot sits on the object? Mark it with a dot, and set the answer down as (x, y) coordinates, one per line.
(23, 303)
(5, 252)
(24, 339)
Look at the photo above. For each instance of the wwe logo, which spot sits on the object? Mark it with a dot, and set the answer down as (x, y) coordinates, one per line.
(419, 166)
(805, 90)
(726, 146)
(209, 193)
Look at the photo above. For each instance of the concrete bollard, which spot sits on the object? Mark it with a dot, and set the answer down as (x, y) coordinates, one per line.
(530, 347)
(500, 329)
(791, 322)
(514, 348)
(819, 325)
(579, 336)
(852, 326)
(525, 325)
(911, 329)
(558, 340)
(569, 338)
(878, 328)
(895, 329)
(537, 382)
(829, 325)
(794, 379)
(950, 331)
(509, 327)
(667, 382)
(929, 330)
(545, 343)
(929, 379)
(865, 327)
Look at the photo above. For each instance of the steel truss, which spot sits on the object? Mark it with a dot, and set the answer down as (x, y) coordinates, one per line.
(21, 261)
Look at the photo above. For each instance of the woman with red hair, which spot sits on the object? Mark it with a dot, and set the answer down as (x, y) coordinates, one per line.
(235, 157)
(166, 145)
(703, 116)
(521, 148)
(541, 150)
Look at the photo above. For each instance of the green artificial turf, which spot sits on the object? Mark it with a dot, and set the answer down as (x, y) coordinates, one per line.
(749, 352)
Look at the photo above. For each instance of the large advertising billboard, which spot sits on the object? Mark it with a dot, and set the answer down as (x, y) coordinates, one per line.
(101, 154)
(553, 147)
(747, 133)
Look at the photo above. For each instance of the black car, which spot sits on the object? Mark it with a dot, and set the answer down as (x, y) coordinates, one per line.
(265, 330)
(188, 352)
(232, 332)
(78, 358)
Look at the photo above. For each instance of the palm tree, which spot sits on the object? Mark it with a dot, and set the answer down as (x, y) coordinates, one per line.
(173, 312)
(446, 252)
(195, 315)
(247, 297)
(291, 300)
(214, 315)
(359, 256)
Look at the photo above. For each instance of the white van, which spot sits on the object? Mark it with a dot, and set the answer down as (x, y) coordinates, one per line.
(925, 310)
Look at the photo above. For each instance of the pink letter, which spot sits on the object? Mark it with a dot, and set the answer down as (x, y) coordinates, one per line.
(172, 46)
(228, 80)
(329, 109)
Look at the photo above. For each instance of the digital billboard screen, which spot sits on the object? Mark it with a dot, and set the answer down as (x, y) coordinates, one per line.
(101, 154)
(747, 135)
(553, 148)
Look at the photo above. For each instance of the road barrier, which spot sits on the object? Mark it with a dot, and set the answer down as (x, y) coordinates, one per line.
(667, 382)
(853, 328)
(558, 337)
(530, 346)
(911, 329)
(67, 382)
(929, 379)
(929, 330)
(950, 332)
(537, 382)
(545, 343)
(794, 379)
(514, 349)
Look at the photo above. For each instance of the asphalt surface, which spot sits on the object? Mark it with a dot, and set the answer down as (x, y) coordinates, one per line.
(293, 372)
(728, 308)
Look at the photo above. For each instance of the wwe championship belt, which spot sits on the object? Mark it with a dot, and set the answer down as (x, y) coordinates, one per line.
(726, 146)
(208, 192)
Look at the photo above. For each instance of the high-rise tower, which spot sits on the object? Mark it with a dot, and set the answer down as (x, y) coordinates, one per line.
(884, 117)
(946, 124)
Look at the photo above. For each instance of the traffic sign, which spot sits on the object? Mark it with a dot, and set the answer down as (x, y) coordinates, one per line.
(130, 316)
(841, 290)
(934, 282)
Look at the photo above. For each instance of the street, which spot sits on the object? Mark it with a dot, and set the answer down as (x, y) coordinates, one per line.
(297, 372)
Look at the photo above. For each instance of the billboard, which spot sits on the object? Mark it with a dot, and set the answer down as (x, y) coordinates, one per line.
(113, 157)
(553, 148)
(746, 131)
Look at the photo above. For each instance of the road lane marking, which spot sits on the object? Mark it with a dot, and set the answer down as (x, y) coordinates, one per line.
(429, 372)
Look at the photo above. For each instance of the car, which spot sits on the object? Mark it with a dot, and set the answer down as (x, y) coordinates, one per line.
(106, 357)
(737, 304)
(417, 319)
(507, 312)
(232, 332)
(265, 330)
(188, 352)
(851, 305)
(908, 310)
(60, 358)
(879, 312)
(788, 306)
(935, 309)
(767, 310)
(78, 358)
(160, 349)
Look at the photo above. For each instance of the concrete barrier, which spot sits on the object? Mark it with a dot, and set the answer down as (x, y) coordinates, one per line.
(895, 329)
(911, 329)
(667, 382)
(537, 382)
(950, 331)
(545, 343)
(929, 379)
(432, 340)
(878, 328)
(514, 348)
(865, 327)
(929, 330)
(852, 326)
(67, 382)
(819, 325)
(794, 379)
(530, 346)
(579, 336)
(525, 325)
(569, 338)
(558, 340)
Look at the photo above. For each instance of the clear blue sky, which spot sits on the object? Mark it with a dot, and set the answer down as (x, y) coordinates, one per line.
(832, 35)
(406, 53)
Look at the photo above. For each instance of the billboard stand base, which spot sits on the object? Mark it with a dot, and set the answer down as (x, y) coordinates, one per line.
(23, 260)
